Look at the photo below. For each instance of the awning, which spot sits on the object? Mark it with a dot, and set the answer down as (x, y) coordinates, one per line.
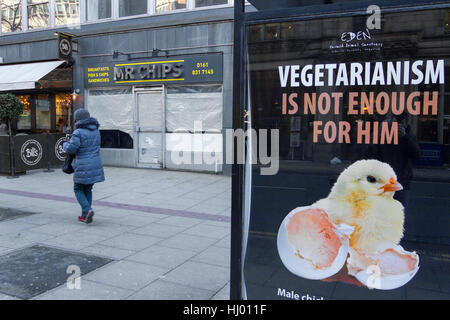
(24, 76)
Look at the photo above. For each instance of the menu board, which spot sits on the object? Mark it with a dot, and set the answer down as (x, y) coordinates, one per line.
(180, 69)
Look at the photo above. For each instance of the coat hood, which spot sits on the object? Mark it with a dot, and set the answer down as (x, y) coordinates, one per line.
(90, 124)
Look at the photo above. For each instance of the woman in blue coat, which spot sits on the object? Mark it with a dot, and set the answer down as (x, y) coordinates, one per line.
(85, 145)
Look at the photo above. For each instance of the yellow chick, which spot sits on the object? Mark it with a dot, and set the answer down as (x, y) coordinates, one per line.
(363, 197)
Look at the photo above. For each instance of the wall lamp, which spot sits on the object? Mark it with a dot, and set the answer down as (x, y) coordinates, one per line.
(116, 54)
(75, 94)
(155, 52)
(57, 33)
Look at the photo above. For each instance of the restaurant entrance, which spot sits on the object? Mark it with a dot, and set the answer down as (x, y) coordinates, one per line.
(45, 90)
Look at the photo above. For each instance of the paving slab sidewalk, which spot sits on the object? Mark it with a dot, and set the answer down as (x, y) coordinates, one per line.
(168, 232)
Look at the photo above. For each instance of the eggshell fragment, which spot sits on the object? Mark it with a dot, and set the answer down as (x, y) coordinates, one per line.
(310, 245)
(386, 269)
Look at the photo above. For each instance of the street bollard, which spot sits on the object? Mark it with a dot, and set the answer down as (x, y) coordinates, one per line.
(11, 158)
(48, 155)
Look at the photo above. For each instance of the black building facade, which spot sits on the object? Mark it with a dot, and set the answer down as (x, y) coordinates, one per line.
(353, 94)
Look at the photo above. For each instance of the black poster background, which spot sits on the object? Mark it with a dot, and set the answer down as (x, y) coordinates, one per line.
(305, 173)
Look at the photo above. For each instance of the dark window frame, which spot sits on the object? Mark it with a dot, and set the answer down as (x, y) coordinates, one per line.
(52, 101)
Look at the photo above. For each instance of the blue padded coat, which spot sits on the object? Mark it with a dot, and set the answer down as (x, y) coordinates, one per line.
(85, 144)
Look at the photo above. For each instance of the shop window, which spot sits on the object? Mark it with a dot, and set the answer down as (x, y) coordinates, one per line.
(288, 30)
(205, 3)
(24, 122)
(188, 105)
(63, 104)
(447, 105)
(67, 12)
(98, 9)
(428, 129)
(59, 10)
(11, 15)
(132, 7)
(255, 33)
(43, 114)
(115, 139)
(113, 109)
(272, 31)
(38, 14)
(169, 5)
(428, 125)
(447, 132)
(194, 121)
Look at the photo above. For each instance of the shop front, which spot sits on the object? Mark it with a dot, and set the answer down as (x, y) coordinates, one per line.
(159, 113)
(356, 96)
(156, 74)
(45, 89)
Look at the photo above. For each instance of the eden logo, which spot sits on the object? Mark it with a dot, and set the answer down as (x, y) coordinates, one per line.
(360, 35)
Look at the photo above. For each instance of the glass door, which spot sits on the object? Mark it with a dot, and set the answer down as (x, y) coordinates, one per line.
(43, 113)
(149, 107)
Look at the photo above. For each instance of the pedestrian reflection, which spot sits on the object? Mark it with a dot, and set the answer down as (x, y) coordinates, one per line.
(400, 157)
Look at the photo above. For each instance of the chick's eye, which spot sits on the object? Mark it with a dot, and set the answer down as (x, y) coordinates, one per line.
(371, 179)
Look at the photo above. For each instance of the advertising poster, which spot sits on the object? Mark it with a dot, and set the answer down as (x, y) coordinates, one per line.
(359, 213)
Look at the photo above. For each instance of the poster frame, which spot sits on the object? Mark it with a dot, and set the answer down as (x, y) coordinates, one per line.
(243, 19)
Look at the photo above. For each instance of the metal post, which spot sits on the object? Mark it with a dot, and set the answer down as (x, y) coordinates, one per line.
(11, 153)
(48, 155)
(237, 181)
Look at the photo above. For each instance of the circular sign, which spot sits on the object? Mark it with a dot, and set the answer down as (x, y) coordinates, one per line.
(31, 152)
(65, 47)
(59, 151)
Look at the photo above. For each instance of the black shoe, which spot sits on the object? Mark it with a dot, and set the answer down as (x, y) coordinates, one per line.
(89, 216)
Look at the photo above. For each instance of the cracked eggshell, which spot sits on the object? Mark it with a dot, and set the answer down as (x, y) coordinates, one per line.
(387, 269)
(304, 267)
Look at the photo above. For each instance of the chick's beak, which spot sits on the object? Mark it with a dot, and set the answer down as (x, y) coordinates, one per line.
(393, 185)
